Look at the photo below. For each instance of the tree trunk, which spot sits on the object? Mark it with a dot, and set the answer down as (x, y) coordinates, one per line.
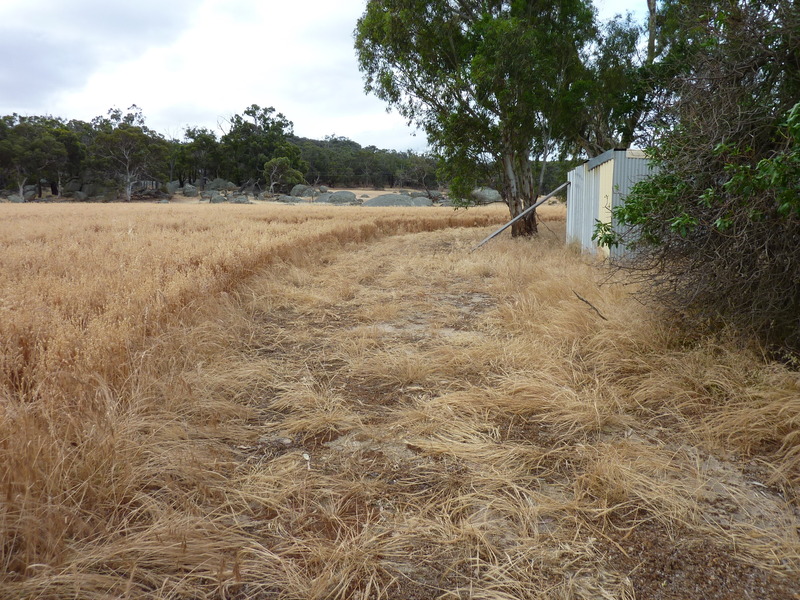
(526, 226)
(546, 145)
(21, 181)
(542, 171)
(519, 192)
(128, 184)
(652, 31)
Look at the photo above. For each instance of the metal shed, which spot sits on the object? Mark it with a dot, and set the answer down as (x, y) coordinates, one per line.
(597, 186)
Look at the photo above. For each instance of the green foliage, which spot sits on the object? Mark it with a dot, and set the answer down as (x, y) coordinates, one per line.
(75, 151)
(279, 174)
(201, 154)
(118, 149)
(337, 161)
(333, 161)
(717, 228)
(254, 138)
(416, 170)
(125, 150)
(31, 148)
(778, 174)
(617, 90)
(492, 84)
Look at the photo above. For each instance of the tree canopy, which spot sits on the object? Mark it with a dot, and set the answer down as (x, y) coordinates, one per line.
(31, 148)
(257, 136)
(125, 150)
(500, 87)
(491, 83)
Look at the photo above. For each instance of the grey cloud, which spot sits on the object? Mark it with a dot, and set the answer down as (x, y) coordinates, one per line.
(337, 86)
(174, 119)
(93, 21)
(30, 73)
(238, 10)
(49, 47)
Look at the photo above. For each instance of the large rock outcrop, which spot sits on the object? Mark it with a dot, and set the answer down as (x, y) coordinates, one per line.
(342, 197)
(397, 200)
(303, 191)
(221, 185)
(485, 195)
(71, 186)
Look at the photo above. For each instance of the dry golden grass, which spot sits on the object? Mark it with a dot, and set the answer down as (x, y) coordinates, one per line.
(342, 404)
(109, 422)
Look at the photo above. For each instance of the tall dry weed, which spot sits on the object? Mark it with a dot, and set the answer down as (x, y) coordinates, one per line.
(356, 414)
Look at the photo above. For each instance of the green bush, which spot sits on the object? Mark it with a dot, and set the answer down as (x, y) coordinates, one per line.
(716, 232)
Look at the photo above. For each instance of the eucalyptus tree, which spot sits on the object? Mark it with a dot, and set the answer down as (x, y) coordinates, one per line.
(279, 173)
(254, 138)
(126, 150)
(71, 166)
(494, 84)
(201, 154)
(615, 101)
(30, 149)
(342, 159)
(628, 81)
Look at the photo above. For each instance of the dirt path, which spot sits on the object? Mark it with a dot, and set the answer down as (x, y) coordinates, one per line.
(412, 444)
(361, 344)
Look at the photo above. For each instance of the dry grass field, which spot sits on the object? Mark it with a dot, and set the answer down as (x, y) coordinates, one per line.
(326, 402)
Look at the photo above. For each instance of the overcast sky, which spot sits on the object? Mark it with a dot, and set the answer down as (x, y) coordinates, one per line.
(196, 62)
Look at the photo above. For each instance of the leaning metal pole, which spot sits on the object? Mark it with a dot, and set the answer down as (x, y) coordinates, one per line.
(522, 214)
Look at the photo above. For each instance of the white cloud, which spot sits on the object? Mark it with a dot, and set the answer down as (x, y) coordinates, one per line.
(49, 46)
(195, 62)
(234, 54)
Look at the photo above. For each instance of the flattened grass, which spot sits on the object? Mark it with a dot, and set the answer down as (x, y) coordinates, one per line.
(393, 417)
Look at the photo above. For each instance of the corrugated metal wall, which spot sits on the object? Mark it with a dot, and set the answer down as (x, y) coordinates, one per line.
(629, 168)
(596, 187)
(581, 211)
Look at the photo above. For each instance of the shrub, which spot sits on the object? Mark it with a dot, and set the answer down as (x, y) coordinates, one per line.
(717, 231)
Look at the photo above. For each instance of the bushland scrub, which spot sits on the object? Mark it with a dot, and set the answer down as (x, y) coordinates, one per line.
(276, 402)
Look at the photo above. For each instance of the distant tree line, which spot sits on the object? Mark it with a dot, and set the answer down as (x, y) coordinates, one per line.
(256, 149)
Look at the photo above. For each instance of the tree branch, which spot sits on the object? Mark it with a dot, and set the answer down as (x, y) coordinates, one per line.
(592, 306)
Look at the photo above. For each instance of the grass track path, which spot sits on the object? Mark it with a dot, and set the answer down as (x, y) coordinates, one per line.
(394, 459)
